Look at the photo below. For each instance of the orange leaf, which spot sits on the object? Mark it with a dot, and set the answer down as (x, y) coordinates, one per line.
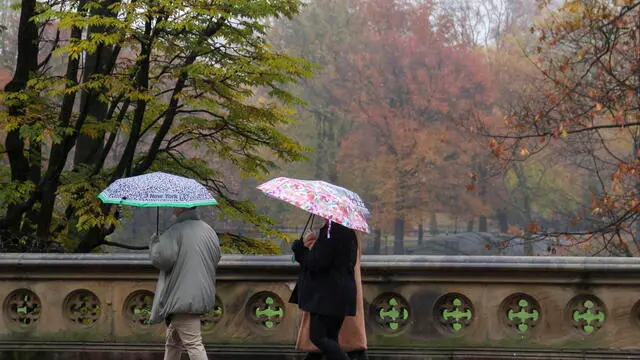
(533, 227)
(471, 187)
(487, 246)
(619, 117)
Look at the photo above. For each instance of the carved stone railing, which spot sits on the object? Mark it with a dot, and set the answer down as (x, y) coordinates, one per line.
(416, 307)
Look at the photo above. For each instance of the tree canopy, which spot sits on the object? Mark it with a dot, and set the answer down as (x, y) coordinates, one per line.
(183, 87)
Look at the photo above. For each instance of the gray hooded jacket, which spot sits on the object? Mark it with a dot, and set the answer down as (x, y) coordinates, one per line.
(186, 255)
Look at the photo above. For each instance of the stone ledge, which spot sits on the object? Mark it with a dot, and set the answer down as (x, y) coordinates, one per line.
(73, 351)
(385, 261)
(376, 268)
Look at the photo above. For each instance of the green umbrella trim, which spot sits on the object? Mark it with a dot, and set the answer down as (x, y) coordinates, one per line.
(186, 204)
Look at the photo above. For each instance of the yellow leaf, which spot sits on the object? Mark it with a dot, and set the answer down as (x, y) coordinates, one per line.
(572, 6)
(581, 54)
(563, 131)
(524, 152)
(598, 106)
(622, 2)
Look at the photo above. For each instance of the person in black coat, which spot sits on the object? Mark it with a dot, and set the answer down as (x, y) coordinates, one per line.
(326, 286)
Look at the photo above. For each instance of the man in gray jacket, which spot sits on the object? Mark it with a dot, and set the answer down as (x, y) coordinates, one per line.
(186, 254)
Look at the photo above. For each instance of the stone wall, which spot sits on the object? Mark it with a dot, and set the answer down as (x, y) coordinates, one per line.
(418, 307)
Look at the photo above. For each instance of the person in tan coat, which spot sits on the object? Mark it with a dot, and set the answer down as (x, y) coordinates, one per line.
(353, 336)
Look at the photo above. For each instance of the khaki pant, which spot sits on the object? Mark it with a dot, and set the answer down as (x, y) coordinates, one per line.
(183, 334)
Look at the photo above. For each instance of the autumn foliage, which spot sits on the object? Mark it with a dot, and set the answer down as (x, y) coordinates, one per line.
(520, 112)
(581, 104)
(404, 82)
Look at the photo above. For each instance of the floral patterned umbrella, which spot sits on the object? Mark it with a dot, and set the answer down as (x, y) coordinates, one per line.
(322, 199)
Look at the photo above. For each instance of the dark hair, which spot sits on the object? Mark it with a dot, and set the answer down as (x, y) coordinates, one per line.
(341, 230)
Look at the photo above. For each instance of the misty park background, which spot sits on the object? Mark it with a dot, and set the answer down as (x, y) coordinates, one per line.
(468, 127)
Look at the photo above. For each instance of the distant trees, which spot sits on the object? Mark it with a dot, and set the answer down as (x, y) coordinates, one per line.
(405, 83)
(583, 106)
(392, 85)
(553, 102)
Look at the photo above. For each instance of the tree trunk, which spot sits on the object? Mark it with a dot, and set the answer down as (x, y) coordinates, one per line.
(636, 151)
(527, 208)
(321, 157)
(95, 236)
(92, 239)
(398, 243)
(27, 63)
(503, 220)
(377, 242)
(433, 224)
(482, 193)
(172, 109)
(142, 85)
(88, 149)
(528, 241)
(59, 151)
(482, 224)
(398, 224)
(420, 234)
(470, 225)
(35, 161)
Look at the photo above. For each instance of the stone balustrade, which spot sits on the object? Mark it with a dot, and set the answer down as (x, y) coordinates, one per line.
(417, 307)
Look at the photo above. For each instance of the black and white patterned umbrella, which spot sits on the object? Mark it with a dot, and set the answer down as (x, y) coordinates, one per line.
(157, 189)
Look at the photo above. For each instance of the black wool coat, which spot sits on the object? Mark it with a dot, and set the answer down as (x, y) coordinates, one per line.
(326, 284)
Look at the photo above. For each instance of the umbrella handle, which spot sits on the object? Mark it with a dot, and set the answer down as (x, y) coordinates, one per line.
(310, 219)
(119, 208)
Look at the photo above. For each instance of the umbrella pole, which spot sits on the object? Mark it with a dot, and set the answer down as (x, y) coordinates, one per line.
(158, 220)
(309, 220)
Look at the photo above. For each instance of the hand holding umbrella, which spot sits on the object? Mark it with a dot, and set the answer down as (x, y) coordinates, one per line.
(309, 239)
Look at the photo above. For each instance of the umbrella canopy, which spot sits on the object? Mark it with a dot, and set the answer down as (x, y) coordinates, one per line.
(157, 189)
(342, 192)
(322, 199)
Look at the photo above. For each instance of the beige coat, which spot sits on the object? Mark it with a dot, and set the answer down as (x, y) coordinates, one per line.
(353, 335)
